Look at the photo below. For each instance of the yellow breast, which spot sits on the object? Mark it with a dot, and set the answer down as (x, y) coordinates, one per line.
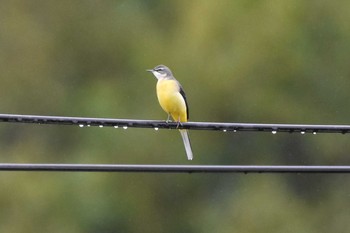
(170, 99)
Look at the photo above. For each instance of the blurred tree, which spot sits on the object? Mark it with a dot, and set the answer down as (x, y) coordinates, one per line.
(239, 61)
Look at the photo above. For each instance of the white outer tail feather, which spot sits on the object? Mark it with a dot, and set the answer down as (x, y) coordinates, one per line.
(187, 143)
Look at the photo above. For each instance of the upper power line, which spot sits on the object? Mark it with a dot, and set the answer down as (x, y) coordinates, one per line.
(125, 123)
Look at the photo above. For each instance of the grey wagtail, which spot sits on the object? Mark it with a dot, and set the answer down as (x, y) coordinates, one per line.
(172, 99)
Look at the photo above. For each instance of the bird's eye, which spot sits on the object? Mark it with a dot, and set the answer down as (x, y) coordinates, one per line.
(159, 69)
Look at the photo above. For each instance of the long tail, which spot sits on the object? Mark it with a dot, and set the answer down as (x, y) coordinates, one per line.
(187, 143)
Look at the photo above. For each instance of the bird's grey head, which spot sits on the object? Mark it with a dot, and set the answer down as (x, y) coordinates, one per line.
(161, 71)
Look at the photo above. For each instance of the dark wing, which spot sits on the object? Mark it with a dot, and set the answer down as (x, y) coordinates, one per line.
(182, 92)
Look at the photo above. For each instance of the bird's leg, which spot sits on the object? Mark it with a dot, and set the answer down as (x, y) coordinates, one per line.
(168, 119)
(178, 123)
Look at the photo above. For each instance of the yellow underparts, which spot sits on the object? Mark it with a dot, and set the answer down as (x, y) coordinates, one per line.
(170, 99)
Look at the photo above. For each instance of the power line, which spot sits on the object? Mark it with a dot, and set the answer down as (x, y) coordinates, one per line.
(125, 123)
(171, 168)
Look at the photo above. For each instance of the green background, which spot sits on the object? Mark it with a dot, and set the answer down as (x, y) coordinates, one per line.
(238, 61)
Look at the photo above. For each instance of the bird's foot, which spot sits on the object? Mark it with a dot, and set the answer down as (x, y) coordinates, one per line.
(178, 124)
(168, 119)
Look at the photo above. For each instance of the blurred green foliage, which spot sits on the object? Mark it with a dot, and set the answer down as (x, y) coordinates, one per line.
(239, 61)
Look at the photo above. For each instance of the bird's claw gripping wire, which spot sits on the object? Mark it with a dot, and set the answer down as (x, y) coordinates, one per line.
(178, 123)
(168, 119)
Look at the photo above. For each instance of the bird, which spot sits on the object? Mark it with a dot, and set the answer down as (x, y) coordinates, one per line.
(172, 98)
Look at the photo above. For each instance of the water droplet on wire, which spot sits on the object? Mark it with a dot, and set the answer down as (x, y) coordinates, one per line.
(125, 127)
(81, 125)
(274, 131)
(156, 128)
(101, 126)
(116, 126)
(314, 133)
(225, 130)
(302, 132)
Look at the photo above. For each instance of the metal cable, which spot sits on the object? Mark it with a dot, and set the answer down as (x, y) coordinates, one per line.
(150, 168)
(125, 123)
